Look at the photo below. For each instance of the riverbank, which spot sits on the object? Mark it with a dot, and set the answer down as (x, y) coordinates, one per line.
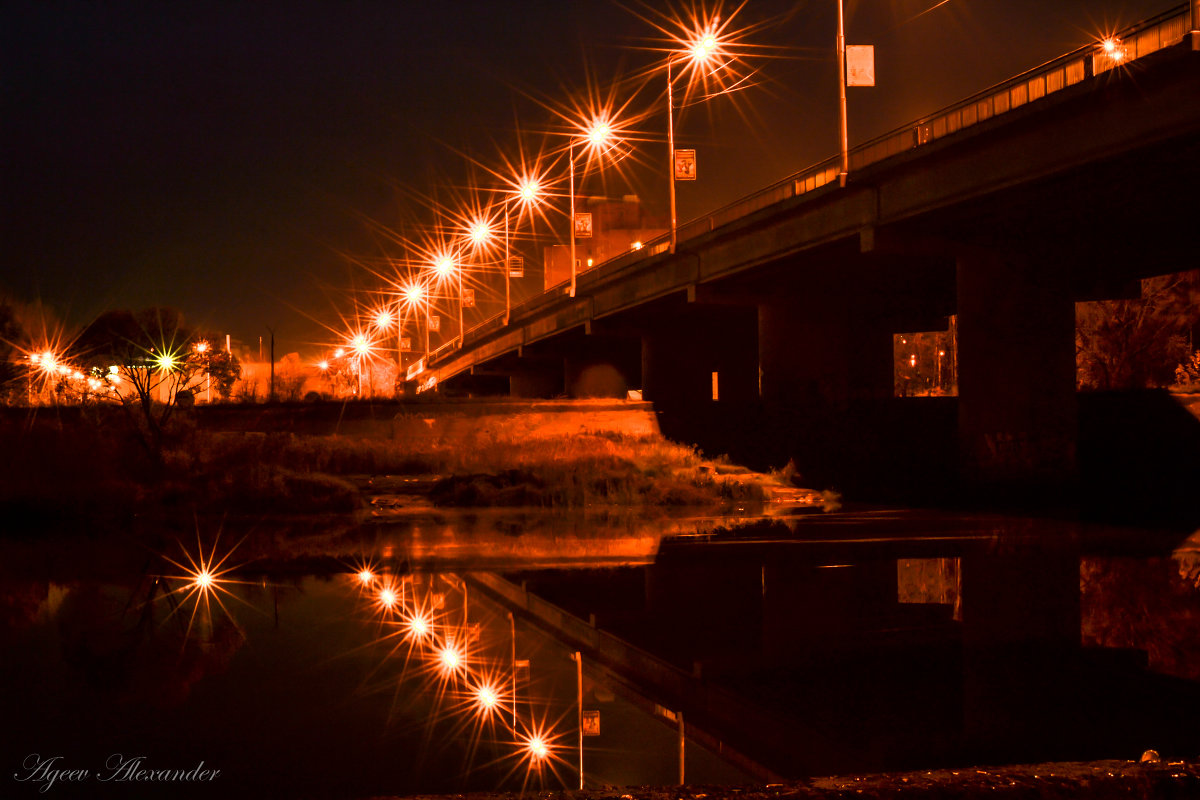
(1094, 780)
(564, 456)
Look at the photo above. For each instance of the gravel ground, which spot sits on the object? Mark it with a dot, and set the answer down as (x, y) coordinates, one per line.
(1175, 780)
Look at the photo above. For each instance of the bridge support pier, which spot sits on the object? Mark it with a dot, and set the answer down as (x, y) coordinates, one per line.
(699, 369)
(1016, 377)
(538, 378)
(604, 365)
(826, 367)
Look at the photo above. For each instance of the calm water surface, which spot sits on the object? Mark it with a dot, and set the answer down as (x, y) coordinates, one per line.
(852, 641)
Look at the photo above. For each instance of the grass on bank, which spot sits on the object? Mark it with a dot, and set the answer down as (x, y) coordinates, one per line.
(82, 471)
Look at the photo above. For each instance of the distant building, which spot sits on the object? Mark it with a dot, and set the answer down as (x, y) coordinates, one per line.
(618, 226)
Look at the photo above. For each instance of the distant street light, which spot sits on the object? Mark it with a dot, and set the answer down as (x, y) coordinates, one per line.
(596, 137)
(528, 193)
(414, 296)
(445, 266)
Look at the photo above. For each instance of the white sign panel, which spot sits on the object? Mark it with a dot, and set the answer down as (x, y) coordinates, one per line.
(516, 267)
(860, 65)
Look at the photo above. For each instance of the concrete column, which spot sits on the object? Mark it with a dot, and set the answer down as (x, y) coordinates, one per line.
(825, 365)
(1021, 640)
(680, 354)
(1016, 377)
(537, 380)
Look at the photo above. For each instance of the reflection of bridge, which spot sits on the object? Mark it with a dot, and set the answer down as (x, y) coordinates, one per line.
(1065, 183)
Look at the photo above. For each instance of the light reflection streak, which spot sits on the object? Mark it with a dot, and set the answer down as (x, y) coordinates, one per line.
(445, 665)
(205, 580)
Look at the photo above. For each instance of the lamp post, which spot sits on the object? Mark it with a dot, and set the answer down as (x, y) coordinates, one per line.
(599, 137)
(700, 51)
(413, 297)
(445, 265)
(701, 47)
(527, 194)
(842, 128)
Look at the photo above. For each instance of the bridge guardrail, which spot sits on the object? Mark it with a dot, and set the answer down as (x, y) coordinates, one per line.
(1060, 73)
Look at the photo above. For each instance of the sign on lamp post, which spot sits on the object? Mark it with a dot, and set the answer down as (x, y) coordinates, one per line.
(860, 65)
(685, 165)
(583, 225)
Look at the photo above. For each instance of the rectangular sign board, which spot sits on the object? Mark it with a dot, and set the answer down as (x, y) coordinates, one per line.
(685, 165)
(583, 225)
(860, 65)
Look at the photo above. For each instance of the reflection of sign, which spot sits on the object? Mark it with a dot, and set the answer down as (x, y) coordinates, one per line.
(583, 225)
(516, 267)
(435, 322)
(406, 344)
(591, 723)
(685, 165)
(521, 671)
(468, 298)
(860, 65)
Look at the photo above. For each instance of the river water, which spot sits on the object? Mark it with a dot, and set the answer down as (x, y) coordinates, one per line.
(451, 653)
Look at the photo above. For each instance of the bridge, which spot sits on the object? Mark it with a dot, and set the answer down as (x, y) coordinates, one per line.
(769, 329)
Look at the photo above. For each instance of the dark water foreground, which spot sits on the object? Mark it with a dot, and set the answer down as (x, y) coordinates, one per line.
(216, 659)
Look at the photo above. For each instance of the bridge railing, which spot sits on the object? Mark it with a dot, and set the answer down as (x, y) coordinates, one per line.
(1068, 70)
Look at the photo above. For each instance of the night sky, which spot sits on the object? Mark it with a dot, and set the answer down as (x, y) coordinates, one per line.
(235, 159)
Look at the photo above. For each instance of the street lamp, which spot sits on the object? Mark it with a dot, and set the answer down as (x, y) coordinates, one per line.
(700, 51)
(528, 193)
(597, 137)
(445, 265)
(414, 295)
